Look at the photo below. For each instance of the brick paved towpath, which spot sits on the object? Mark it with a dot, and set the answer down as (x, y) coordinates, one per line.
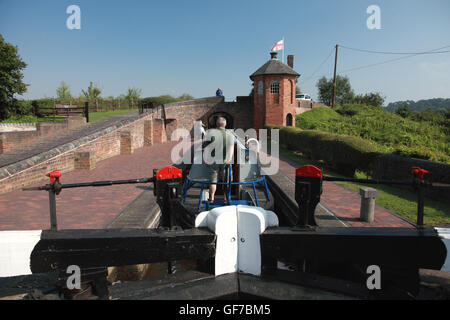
(88, 208)
(93, 208)
(346, 204)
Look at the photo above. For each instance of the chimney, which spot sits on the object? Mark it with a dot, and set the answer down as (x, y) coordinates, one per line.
(290, 61)
(273, 55)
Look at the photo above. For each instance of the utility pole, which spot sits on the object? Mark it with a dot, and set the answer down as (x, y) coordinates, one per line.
(334, 80)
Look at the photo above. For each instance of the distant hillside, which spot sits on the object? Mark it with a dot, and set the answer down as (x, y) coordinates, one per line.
(435, 104)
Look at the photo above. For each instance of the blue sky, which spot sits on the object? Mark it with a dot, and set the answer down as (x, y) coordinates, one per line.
(173, 47)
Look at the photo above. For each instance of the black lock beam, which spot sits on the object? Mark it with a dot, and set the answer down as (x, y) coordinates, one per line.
(118, 247)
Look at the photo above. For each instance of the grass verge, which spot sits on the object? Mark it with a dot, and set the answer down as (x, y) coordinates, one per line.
(93, 116)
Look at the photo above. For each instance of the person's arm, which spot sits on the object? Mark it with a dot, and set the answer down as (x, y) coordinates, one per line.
(230, 149)
(230, 154)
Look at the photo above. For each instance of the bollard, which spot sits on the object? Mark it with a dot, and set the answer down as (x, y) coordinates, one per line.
(368, 196)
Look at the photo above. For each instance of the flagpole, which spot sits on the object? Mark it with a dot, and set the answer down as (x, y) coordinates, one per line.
(283, 50)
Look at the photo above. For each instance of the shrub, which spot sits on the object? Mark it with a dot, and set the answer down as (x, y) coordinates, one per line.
(348, 110)
(42, 106)
(403, 111)
(414, 152)
(429, 115)
(23, 107)
(21, 119)
(160, 99)
(345, 154)
(389, 132)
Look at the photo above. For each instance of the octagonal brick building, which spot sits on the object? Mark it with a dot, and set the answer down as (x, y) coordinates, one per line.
(274, 94)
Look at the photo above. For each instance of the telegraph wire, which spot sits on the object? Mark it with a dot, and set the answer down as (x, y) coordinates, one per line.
(320, 66)
(406, 55)
(402, 53)
(410, 55)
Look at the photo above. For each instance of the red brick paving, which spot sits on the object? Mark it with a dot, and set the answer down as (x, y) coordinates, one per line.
(87, 208)
(346, 204)
(93, 208)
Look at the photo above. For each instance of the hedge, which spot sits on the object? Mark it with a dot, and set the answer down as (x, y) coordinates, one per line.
(345, 154)
(42, 106)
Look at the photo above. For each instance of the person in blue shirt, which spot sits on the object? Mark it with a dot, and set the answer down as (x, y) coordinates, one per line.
(219, 93)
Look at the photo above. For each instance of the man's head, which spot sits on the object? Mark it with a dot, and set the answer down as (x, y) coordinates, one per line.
(221, 122)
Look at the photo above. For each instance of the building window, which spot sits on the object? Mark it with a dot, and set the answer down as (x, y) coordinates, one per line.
(274, 87)
(260, 87)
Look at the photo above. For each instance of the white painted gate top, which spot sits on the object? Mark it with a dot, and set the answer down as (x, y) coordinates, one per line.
(237, 228)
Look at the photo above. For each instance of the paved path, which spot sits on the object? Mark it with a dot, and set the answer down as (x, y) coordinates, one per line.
(346, 204)
(93, 208)
(89, 208)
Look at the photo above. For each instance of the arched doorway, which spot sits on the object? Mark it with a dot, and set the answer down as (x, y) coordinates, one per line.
(289, 120)
(213, 117)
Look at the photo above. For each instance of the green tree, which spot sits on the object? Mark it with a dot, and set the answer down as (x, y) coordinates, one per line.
(163, 99)
(132, 96)
(404, 111)
(63, 92)
(430, 115)
(344, 92)
(374, 99)
(11, 76)
(185, 97)
(297, 90)
(92, 94)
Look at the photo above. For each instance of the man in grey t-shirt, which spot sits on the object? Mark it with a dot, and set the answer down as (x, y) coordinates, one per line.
(223, 142)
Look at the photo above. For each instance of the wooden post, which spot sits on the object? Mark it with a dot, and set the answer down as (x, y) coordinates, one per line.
(334, 80)
(86, 111)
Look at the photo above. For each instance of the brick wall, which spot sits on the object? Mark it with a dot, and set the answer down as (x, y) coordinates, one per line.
(159, 132)
(171, 127)
(104, 145)
(11, 140)
(16, 139)
(146, 130)
(274, 108)
(303, 106)
(186, 112)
